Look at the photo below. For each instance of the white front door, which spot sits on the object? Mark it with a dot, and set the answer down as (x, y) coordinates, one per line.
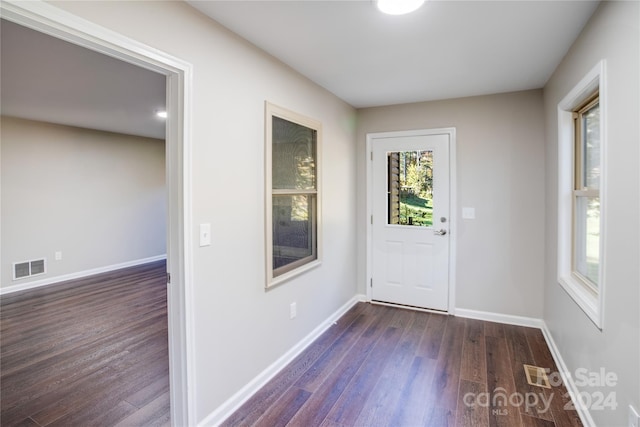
(410, 219)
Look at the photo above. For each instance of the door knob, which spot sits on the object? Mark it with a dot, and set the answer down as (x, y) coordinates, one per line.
(440, 232)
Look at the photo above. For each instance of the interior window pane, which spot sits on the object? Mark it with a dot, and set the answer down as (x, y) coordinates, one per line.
(294, 229)
(588, 237)
(591, 147)
(293, 155)
(410, 188)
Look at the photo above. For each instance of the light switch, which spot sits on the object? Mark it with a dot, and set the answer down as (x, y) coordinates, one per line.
(205, 234)
(469, 213)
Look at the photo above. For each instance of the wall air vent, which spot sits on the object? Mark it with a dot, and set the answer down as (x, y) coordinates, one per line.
(30, 268)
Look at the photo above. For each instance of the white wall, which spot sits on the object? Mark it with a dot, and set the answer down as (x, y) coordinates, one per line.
(611, 34)
(240, 328)
(97, 197)
(500, 172)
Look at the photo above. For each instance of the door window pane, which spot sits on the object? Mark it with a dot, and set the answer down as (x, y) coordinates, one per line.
(410, 188)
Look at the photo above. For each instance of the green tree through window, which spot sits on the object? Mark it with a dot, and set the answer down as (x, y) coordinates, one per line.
(411, 188)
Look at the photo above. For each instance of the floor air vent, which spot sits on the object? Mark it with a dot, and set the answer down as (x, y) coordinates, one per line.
(29, 268)
(537, 376)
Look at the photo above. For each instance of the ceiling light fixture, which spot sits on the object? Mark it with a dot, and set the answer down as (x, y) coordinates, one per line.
(398, 7)
(162, 114)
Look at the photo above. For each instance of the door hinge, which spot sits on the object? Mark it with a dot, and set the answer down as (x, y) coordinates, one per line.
(371, 283)
(371, 219)
(168, 278)
(372, 156)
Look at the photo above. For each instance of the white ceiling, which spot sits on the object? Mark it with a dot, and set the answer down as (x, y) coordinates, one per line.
(46, 79)
(446, 49)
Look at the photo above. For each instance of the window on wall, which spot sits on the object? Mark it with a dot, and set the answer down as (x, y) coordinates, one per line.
(581, 201)
(293, 194)
(586, 193)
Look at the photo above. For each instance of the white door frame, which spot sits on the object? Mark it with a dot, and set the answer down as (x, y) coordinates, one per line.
(452, 203)
(58, 23)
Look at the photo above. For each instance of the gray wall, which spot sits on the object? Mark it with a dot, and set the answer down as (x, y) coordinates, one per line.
(97, 197)
(500, 172)
(612, 34)
(239, 328)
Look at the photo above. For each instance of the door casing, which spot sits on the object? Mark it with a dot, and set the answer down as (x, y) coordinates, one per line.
(371, 137)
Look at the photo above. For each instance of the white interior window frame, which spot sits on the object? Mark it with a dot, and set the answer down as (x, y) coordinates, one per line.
(306, 264)
(591, 301)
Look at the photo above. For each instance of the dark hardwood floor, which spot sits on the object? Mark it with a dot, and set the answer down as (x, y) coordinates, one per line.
(383, 366)
(92, 351)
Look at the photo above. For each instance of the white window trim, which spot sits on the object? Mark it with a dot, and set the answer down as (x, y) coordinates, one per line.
(590, 302)
(274, 110)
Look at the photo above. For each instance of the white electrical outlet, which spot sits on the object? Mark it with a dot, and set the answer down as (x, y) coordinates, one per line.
(293, 310)
(634, 418)
(58, 255)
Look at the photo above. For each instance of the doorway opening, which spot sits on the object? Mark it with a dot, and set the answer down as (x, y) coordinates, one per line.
(52, 21)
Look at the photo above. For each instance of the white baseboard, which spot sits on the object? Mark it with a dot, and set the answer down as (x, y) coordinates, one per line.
(583, 412)
(234, 402)
(509, 319)
(78, 275)
(361, 298)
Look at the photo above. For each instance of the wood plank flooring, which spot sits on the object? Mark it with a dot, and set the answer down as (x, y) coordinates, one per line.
(384, 366)
(94, 352)
(91, 351)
